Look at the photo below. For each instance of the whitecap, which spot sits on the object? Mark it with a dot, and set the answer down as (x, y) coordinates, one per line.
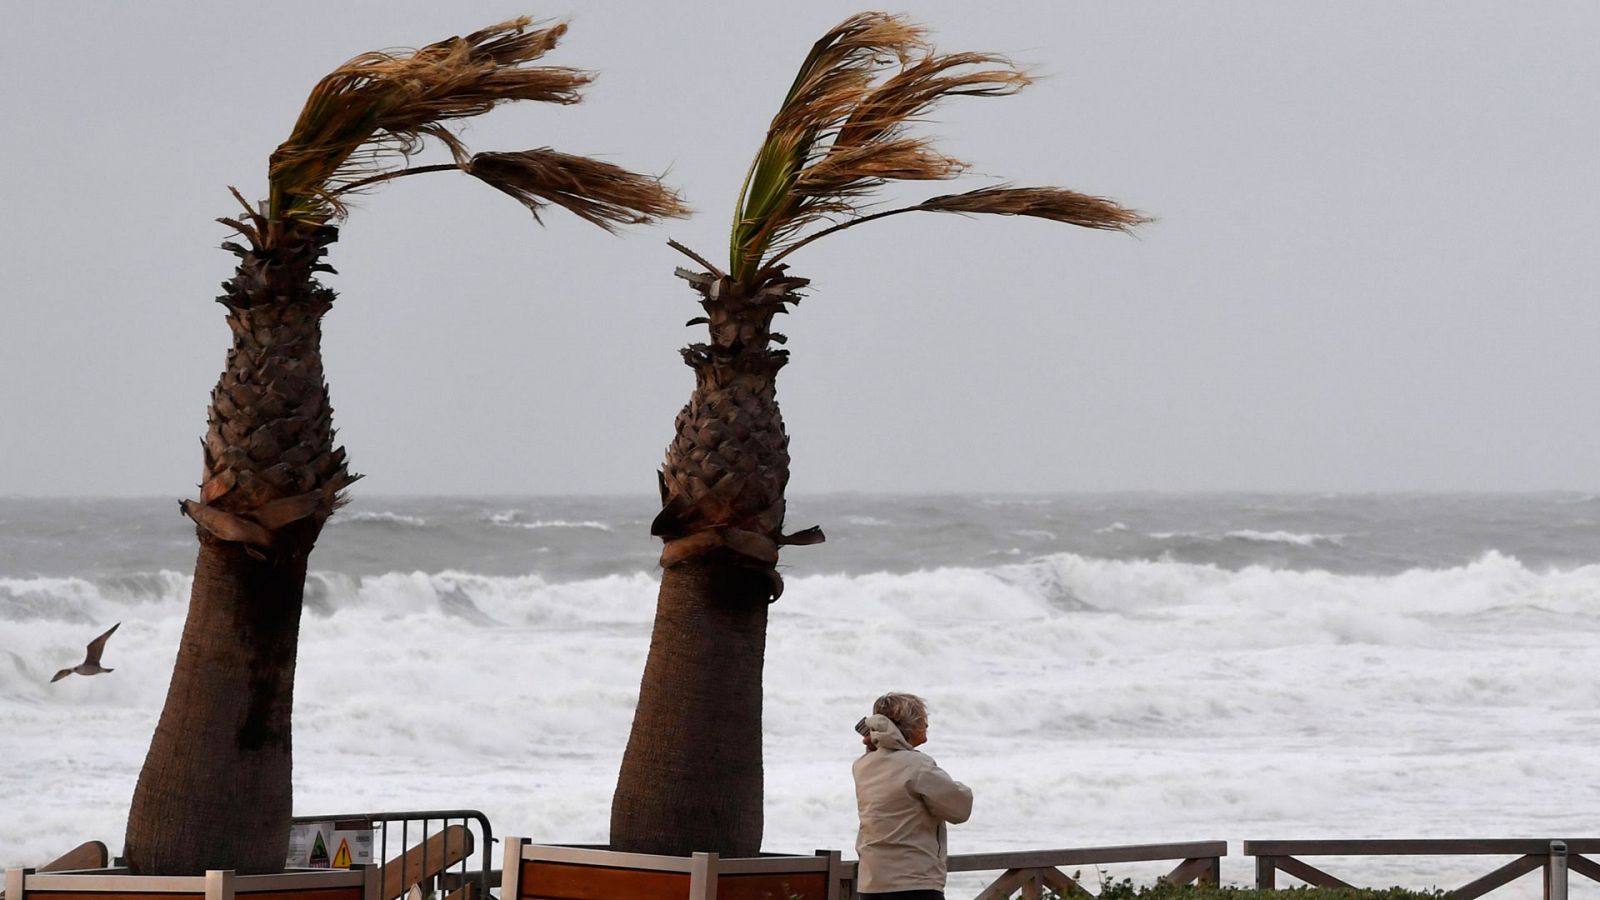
(1285, 537)
(559, 523)
(382, 518)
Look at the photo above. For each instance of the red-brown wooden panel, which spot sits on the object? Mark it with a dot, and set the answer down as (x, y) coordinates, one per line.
(543, 880)
(776, 886)
(353, 892)
(111, 895)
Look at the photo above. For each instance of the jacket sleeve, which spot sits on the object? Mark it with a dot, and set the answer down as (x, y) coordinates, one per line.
(945, 797)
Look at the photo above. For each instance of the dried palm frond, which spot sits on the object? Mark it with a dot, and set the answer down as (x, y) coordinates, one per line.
(1055, 204)
(598, 192)
(375, 110)
(832, 79)
(840, 135)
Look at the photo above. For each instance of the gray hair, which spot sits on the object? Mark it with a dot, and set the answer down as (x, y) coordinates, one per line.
(907, 711)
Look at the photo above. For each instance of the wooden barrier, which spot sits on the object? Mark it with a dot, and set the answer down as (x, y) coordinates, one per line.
(1556, 858)
(550, 872)
(117, 884)
(1030, 872)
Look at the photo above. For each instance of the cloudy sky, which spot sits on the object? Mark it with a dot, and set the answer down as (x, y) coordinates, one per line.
(1374, 268)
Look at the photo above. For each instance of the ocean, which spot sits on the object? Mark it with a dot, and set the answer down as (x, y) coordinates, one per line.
(1100, 669)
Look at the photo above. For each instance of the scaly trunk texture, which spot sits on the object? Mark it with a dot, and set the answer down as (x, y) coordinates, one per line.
(691, 777)
(216, 791)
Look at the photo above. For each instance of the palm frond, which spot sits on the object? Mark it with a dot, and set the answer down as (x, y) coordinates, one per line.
(842, 134)
(1055, 204)
(832, 79)
(376, 110)
(596, 191)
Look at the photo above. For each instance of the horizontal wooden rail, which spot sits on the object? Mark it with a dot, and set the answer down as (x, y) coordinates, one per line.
(1032, 871)
(1557, 858)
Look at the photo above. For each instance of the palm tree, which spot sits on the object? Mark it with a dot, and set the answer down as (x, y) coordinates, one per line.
(691, 776)
(215, 790)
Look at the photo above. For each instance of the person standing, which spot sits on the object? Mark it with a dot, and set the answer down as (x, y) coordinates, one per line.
(904, 801)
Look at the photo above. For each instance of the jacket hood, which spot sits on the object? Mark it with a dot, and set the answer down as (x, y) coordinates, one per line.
(885, 734)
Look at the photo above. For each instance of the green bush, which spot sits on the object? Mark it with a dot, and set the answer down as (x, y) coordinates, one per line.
(1127, 890)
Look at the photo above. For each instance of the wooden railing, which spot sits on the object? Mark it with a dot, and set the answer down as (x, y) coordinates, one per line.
(1030, 872)
(1556, 858)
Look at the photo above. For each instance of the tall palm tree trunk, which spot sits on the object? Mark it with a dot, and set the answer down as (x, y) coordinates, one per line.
(215, 790)
(691, 777)
(680, 792)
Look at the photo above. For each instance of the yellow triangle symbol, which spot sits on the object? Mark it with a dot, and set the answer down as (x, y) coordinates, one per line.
(341, 860)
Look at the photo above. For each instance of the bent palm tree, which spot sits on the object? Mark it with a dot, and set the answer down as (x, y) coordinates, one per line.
(691, 776)
(215, 790)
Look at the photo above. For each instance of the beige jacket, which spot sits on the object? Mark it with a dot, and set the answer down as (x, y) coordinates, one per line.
(904, 800)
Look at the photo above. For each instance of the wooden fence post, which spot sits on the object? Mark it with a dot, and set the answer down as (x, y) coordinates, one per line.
(1266, 873)
(703, 876)
(511, 868)
(835, 873)
(15, 881)
(219, 884)
(1555, 872)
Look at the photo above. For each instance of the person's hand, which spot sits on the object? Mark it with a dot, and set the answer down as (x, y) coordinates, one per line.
(866, 741)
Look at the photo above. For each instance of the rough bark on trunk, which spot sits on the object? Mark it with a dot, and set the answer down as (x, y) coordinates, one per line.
(216, 788)
(691, 777)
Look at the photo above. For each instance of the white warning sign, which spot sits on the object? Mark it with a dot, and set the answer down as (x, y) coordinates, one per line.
(329, 845)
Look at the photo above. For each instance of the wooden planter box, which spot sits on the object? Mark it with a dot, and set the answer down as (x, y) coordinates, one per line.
(117, 884)
(551, 872)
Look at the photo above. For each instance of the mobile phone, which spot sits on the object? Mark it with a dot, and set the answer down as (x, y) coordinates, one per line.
(861, 726)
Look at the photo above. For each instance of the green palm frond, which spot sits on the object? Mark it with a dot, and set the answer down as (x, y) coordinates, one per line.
(374, 111)
(835, 75)
(842, 134)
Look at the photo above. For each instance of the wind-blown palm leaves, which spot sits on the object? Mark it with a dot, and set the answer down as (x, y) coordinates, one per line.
(842, 133)
(691, 775)
(376, 110)
(358, 127)
(215, 791)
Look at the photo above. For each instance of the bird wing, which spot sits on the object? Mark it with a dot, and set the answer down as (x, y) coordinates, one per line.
(98, 646)
(60, 675)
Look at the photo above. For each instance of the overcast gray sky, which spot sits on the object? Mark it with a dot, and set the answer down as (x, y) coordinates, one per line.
(1375, 266)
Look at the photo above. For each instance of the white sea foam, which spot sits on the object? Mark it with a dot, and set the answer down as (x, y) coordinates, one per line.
(513, 522)
(1087, 701)
(1253, 536)
(514, 518)
(380, 518)
(1285, 537)
(1113, 528)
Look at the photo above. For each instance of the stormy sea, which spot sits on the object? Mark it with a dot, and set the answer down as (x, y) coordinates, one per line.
(1100, 669)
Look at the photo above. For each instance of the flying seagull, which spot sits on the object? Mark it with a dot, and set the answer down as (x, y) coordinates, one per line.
(91, 661)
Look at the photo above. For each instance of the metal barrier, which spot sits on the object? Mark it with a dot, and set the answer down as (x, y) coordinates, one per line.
(439, 861)
(1032, 871)
(1556, 858)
